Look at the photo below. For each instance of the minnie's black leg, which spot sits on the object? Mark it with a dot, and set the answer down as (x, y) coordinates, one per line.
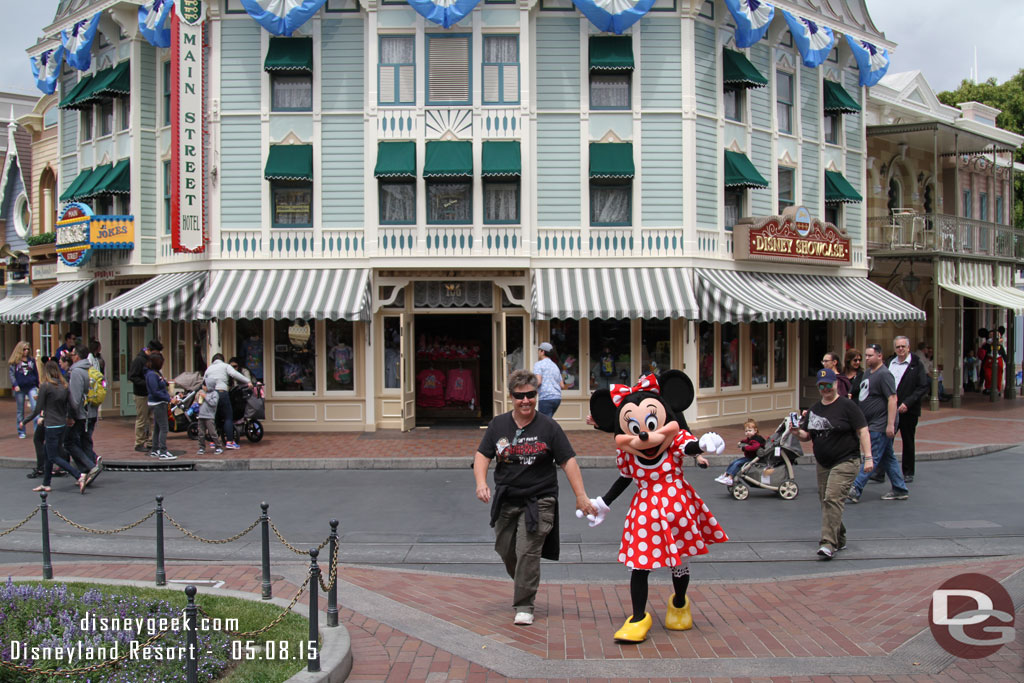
(638, 593)
(680, 582)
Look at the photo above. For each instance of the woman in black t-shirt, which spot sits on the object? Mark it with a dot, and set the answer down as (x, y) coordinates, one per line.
(839, 433)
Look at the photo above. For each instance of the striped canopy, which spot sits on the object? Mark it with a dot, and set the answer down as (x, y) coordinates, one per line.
(728, 296)
(172, 296)
(64, 302)
(612, 293)
(11, 302)
(314, 294)
(976, 281)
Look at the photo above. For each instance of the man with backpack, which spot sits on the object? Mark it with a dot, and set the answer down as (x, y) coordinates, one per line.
(137, 376)
(78, 441)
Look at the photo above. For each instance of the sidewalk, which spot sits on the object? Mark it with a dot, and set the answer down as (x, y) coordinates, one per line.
(847, 626)
(975, 428)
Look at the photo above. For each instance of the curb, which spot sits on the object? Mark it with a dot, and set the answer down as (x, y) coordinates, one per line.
(444, 463)
(335, 645)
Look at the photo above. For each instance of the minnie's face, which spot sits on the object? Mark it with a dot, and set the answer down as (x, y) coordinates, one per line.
(647, 431)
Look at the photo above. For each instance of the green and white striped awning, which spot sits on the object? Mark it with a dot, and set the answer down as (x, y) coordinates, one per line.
(732, 296)
(977, 281)
(171, 296)
(312, 294)
(9, 303)
(64, 302)
(612, 293)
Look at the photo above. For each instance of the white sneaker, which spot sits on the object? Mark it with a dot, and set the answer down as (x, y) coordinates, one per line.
(825, 552)
(725, 479)
(523, 619)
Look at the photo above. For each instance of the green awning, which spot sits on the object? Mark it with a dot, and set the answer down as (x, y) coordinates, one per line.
(114, 82)
(838, 189)
(289, 162)
(90, 186)
(72, 190)
(737, 70)
(501, 158)
(118, 180)
(448, 158)
(838, 100)
(611, 53)
(289, 54)
(395, 160)
(611, 160)
(71, 99)
(740, 172)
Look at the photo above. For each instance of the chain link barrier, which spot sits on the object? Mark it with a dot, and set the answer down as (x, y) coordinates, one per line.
(101, 531)
(17, 526)
(334, 571)
(275, 622)
(209, 540)
(82, 670)
(304, 553)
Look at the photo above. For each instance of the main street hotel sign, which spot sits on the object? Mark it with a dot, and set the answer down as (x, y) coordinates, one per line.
(793, 236)
(188, 128)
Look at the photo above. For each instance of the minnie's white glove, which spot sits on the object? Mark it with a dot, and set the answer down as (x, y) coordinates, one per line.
(712, 443)
(602, 510)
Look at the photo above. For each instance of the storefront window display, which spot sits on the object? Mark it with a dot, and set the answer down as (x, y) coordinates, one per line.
(655, 346)
(609, 353)
(758, 354)
(781, 345)
(730, 355)
(565, 337)
(294, 357)
(340, 356)
(199, 347)
(249, 346)
(392, 351)
(817, 345)
(706, 332)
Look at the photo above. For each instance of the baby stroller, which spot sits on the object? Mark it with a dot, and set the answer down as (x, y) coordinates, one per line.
(248, 409)
(772, 469)
(183, 415)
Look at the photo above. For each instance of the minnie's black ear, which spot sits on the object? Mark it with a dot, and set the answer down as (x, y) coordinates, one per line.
(676, 390)
(604, 412)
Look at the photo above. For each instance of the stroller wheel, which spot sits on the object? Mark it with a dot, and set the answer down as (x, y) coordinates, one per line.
(788, 489)
(739, 491)
(254, 431)
(193, 431)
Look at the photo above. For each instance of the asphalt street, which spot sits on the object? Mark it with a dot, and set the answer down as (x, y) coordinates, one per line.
(431, 520)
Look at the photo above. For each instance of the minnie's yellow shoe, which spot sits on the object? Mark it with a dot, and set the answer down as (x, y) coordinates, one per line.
(678, 618)
(635, 631)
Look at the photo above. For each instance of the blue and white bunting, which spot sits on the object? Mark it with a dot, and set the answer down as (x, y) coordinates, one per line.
(153, 16)
(813, 40)
(872, 60)
(444, 13)
(282, 17)
(613, 16)
(46, 68)
(78, 45)
(753, 18)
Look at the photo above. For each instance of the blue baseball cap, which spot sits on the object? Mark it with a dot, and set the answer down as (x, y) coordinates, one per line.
(826, 376)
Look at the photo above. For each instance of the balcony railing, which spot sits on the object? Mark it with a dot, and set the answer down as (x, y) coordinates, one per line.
(937, 232)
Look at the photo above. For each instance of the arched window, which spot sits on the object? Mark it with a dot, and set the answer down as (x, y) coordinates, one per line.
(895, 194)
(47, 201)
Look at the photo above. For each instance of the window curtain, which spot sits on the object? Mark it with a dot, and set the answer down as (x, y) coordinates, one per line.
(501, 202)
(609, 90)
(501, 49)
(397, 203)
(397, 50)
(449, 202)
(609, 205)
(293, 92)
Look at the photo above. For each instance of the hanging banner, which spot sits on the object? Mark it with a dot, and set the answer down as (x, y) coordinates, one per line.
(872, 61)
(813, 40)
(188, 127)
(46, 68)
(444, 13)
(753, 18)
(153, 16)
(613, 16)
(78, 45)
(282, 17)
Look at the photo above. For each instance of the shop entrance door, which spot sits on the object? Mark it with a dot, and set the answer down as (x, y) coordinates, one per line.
(131, 338)
(454, 369)
(408, 345)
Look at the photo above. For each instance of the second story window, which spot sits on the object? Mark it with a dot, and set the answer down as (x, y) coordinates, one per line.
(448, 170)
(167, 93)
(832, 123)
(501, 168)
(983, 206)
(126, 113)
(787, 196)
(289, 169)
(396, 173)
(396, 73)
(86, 122)
(835, 103)
(448, 74)
(968, 210)
(501, 70)
(106, 117)
(784, 101)
(290, 64)
(611, 72)
(611, 183)
(738, 74)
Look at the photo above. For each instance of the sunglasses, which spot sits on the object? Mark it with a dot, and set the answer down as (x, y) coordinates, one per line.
(524, 394)
(855, 360)
(823, 387)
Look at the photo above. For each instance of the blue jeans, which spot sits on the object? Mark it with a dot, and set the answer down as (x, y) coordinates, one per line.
(55, 454)
(885, 462)
(224, 413)
(548, 406)
(78, 445)
(19, 403)
(734, 467)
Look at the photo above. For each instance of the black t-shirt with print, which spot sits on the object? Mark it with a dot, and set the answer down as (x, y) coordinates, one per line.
(525, 457)
(833, 429)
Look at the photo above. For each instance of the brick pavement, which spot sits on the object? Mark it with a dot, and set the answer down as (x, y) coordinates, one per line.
(976, 423)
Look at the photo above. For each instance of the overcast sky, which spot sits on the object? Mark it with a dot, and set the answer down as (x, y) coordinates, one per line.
(936, 36)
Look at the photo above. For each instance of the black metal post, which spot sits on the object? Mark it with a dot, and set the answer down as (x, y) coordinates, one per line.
(161, 575)
(191, 641)
(265, 526)
(47, 565)
(332, 570)
(313, 664)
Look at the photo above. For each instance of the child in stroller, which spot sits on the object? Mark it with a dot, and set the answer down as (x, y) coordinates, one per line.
(774, 462)
(183, 414)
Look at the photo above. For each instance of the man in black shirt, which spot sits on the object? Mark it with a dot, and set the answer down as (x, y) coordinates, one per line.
(524, 508)
(137, 376)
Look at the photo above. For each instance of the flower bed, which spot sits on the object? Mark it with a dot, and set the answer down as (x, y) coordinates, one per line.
(74, 626)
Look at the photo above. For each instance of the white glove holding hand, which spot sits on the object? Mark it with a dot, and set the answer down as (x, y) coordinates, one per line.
(712, 443)
(602, 510)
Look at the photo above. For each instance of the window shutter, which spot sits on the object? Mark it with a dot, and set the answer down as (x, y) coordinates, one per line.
(491, 94)
(387, 84)
(407, 83)
(511, 83)
(448, 80)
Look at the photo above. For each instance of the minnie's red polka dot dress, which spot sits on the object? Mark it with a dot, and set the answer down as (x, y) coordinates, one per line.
(667, 521)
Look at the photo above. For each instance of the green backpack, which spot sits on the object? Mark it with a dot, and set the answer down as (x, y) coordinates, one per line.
(97, 387)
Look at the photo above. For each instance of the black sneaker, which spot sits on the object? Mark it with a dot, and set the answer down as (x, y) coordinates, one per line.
(908, 478)
(852, 499)
(34, 474)
(895, 495)
(141, 449)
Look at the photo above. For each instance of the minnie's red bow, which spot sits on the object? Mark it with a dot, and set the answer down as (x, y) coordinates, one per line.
(646, 383)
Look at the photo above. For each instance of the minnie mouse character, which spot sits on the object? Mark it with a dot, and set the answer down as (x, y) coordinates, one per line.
(667, 521)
